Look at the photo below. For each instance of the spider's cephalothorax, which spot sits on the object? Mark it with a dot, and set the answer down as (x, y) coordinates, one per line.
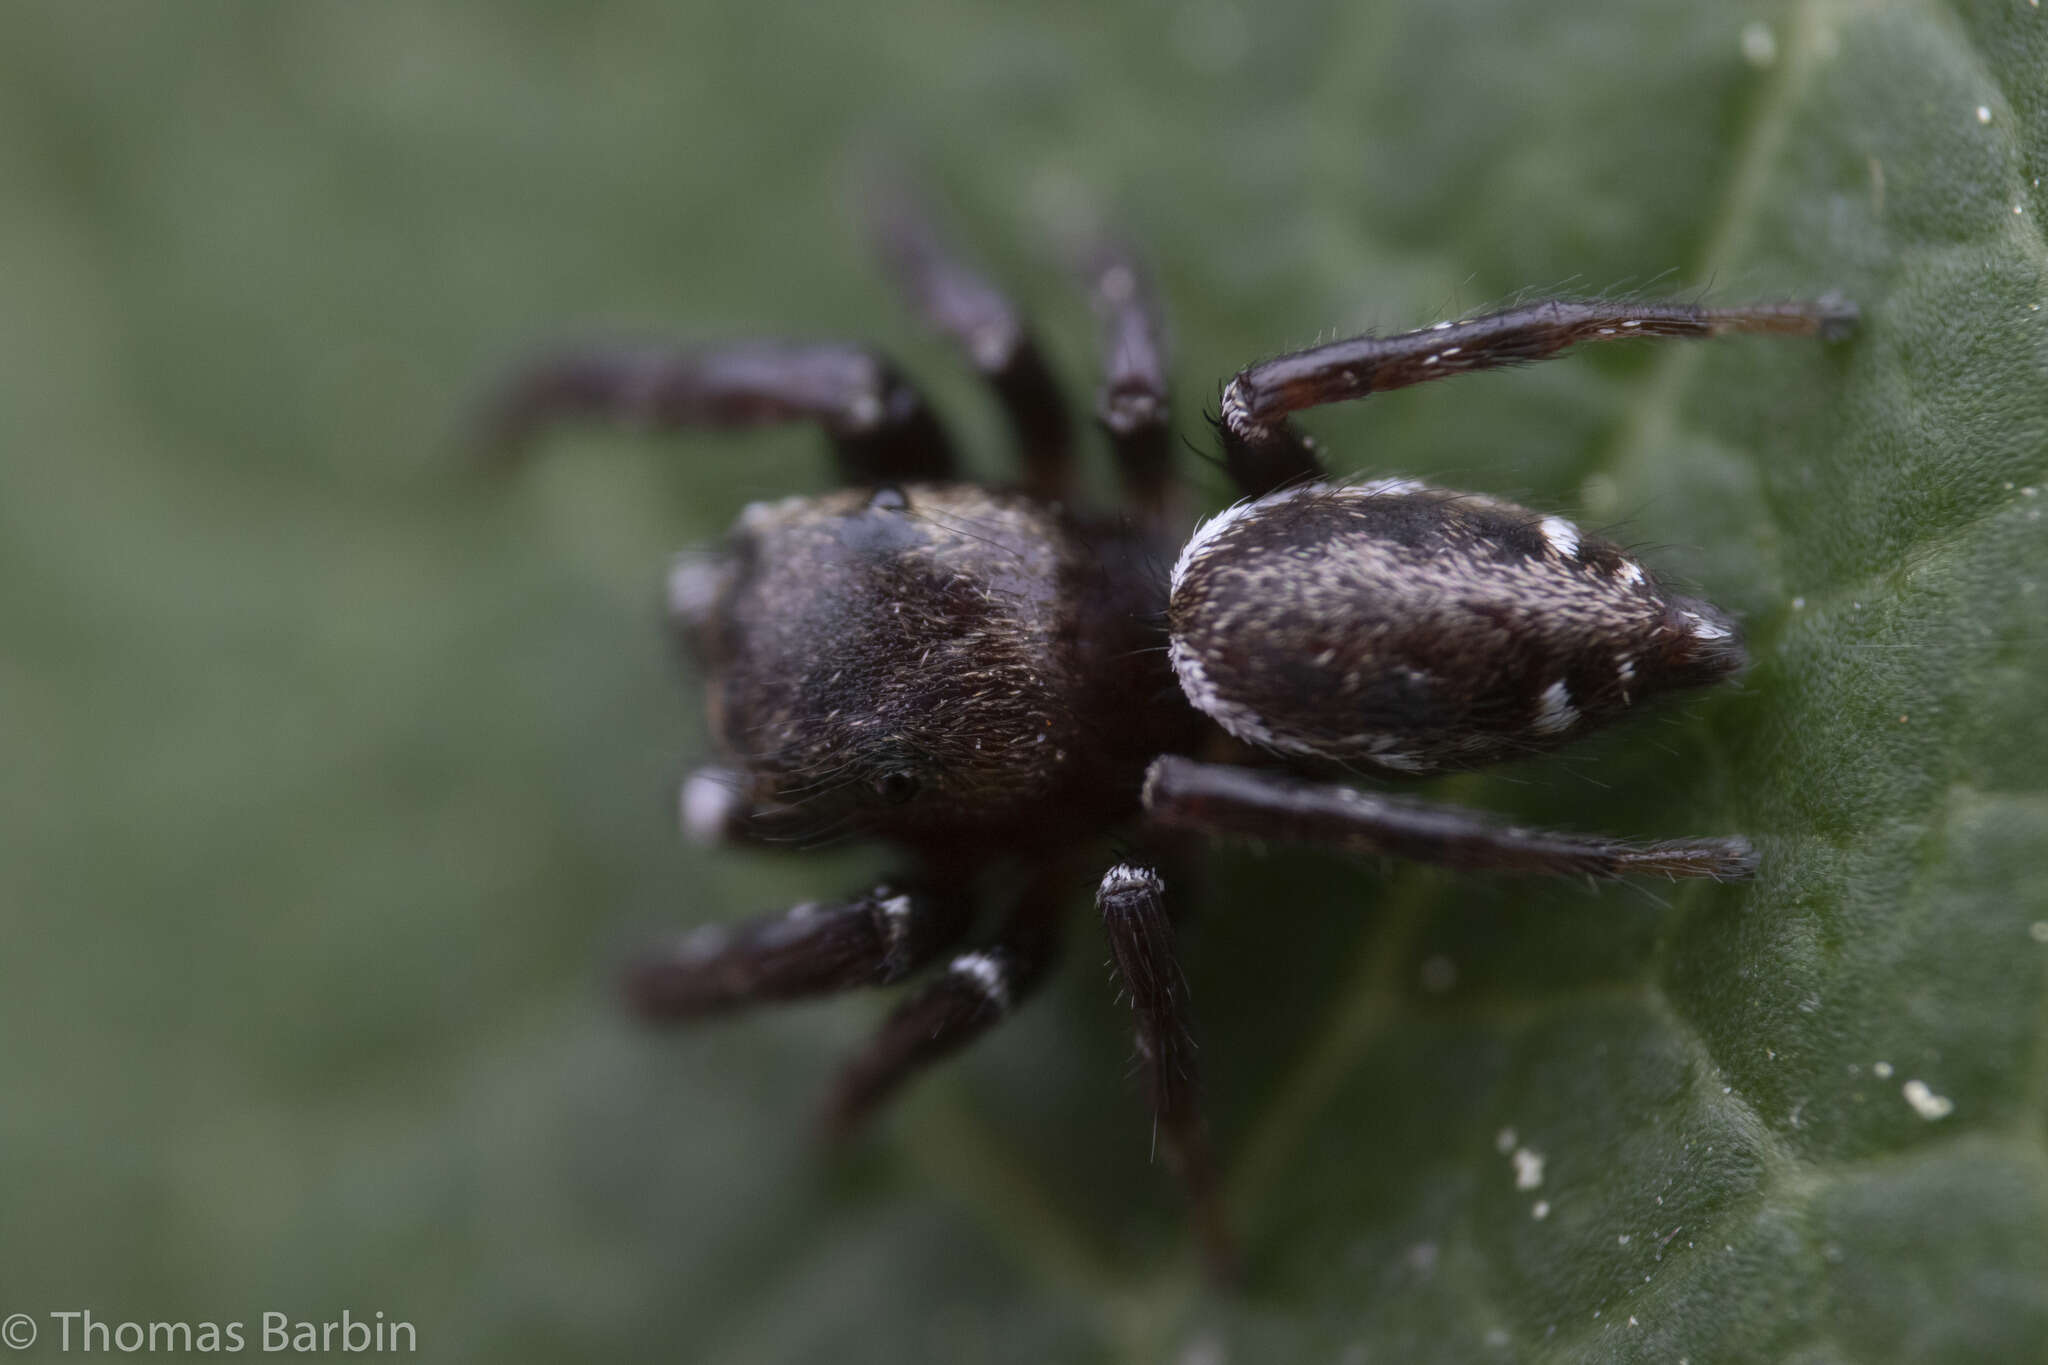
(929, 663)
(990, 681)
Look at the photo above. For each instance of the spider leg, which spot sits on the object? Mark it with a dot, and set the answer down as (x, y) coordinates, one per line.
(962, 305)
(867, 940)
(977, 991)
(1133, 403)
(881, 428)
(1264, 452)
(1132, 902)
(1220, 800)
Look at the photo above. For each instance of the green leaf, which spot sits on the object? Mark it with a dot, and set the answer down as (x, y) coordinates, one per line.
(334, 781)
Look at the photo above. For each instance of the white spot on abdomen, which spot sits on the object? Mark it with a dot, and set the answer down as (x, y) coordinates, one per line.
(1704, 629)
(1562, 536)
(1555, 713)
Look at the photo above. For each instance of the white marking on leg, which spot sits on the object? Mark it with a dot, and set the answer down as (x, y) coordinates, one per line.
(864, 413)
(1704, 629)
(895, 921)
(703, 943)
(1562, 536)
(1125, 877)
(993, 346)
(1630, 572)
(1556, 713)
(987, 974)
(1236, 412)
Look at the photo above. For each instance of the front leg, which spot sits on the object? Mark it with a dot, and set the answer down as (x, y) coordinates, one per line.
(1244, 803)
(1265, 452)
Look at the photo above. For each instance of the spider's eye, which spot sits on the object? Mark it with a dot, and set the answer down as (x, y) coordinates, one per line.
(896, 788)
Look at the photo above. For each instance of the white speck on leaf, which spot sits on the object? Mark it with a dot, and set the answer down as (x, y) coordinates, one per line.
(1759, 45)
(1528, 1168)
(1925, 1102)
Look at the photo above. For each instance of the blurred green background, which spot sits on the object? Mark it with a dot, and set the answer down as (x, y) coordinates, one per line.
(334, 779)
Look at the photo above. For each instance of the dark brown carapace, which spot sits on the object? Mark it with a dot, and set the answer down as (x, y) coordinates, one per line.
(993, 681)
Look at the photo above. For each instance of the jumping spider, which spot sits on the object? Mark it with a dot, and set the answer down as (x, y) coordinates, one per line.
(990, 679)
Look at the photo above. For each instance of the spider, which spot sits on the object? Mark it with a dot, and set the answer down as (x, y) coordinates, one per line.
(989, 680)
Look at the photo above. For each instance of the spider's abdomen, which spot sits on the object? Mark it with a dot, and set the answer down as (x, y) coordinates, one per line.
(1417, 629)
